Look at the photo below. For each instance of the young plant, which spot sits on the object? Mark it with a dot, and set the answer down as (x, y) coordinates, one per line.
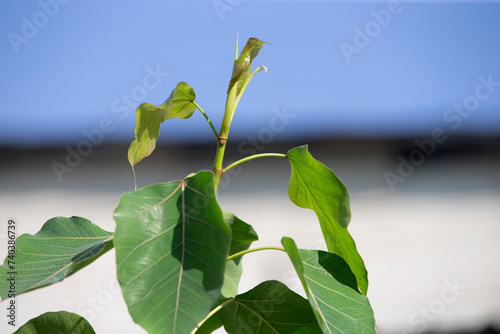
(178, 253)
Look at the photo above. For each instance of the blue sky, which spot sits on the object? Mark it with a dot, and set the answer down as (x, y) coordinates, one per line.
(339, 68)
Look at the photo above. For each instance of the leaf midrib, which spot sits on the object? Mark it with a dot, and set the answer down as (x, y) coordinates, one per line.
(183, 251)
(66, 266)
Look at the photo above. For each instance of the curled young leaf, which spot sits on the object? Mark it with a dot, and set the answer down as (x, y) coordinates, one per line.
(242, 67)
(149, 118)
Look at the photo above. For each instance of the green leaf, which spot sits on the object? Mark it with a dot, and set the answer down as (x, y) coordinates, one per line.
(61, 322)
(332, 290)
(149, 118)
(314, 186)
(171, 248)
(243, 66)
(62, 247)
(243, 235)
(270, 307)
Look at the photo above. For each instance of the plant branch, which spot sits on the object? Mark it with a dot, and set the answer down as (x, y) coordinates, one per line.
(215, 310)
(255, 156)
(229, 258)
(233, 98)
(208, 119)
(222, 139)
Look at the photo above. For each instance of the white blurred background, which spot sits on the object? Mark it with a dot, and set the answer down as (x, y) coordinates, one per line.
(431, 246)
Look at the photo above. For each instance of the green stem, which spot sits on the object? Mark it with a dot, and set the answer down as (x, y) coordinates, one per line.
(219, 157)
(208, 119)
(254, 250)
(215, 310)
(222, 138)
(255, 156)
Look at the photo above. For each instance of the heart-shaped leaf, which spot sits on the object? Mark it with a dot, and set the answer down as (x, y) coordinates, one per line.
(314, 186)
(149, 118)
(243, 235)
(62, 247)
(332, 290)
(271, 307)
(171, 248)
(61, 322)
